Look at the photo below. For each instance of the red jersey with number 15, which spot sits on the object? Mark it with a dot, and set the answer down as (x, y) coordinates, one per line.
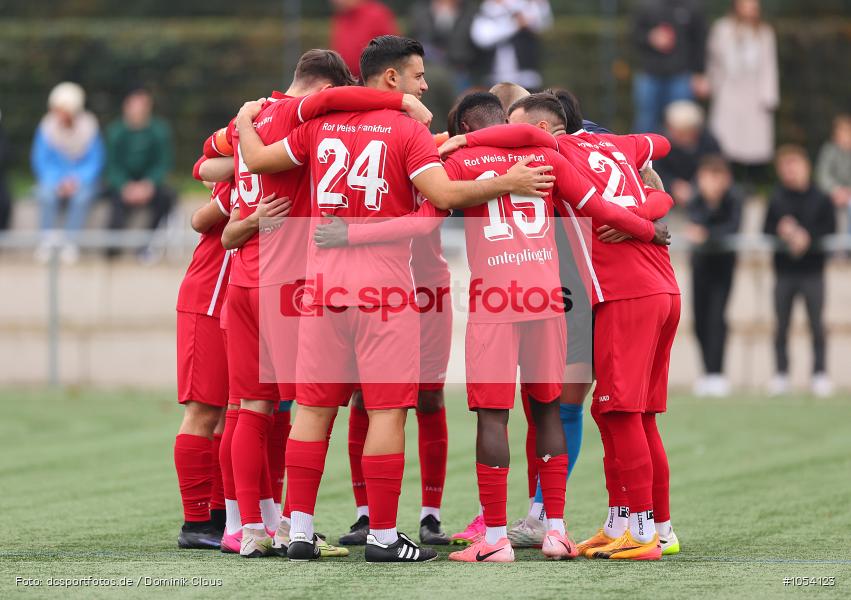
(630, 269)
(361, 167)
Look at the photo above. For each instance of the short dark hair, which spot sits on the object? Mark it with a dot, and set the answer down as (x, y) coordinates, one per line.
(572, 109)
(479, 110)
(543, 102)
(385, 52)
(714, 163)
(321, 64)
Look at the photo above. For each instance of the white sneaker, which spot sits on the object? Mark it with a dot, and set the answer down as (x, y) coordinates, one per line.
(42, 253)
(527, 533)
(718, 386)
(778, 386)
(255, 543)
(670, 544)
(281, 539)
(821, 385)
(701, 387)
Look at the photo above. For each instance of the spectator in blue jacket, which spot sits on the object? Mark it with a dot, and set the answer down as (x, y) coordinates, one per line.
(67, 160)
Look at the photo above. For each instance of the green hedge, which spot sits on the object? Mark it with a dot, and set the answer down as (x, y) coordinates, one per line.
(201, 69)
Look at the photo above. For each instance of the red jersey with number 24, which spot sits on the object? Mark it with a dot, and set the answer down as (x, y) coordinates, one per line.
(361, 167)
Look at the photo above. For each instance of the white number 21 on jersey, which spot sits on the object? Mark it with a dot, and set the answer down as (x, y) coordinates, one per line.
(366, 174)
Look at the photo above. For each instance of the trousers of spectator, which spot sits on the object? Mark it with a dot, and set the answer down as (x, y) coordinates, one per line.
(789, 286)
(712, 280)
(78, 207)
(159, 206)
(651, 94)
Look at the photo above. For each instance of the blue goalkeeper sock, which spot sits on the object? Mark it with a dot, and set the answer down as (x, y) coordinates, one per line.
(285, 405)
(571, 422)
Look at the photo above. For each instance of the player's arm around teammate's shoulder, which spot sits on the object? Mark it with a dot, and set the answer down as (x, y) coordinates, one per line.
(574, 189)
(521, 179)
(257, 156)
(238, 231)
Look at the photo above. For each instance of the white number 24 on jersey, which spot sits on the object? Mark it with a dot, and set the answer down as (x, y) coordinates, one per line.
(366, 174)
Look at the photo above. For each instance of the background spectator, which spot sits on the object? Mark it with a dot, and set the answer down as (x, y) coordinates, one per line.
(742, 70)
(67, 159)
(5, 196)
(833, 168)
(668, 38)
(508, 34)
(443, 28)
(800, 215)
(690, 143)
(715, 214)
(140, 158)
(354, 24)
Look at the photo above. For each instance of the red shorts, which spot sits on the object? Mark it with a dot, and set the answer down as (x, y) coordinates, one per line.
(435, 344)
(495, 350)
(202, 366)
(632, 351)
(339, 349)
(262, 367)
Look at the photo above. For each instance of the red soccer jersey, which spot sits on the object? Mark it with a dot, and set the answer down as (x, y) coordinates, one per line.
(630, 269)
(361, 167)
(510, 241)
(279, 116)
(205, 284)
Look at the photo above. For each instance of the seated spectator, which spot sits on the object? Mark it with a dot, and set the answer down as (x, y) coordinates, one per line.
(800, 216)
(833, 168)
(67, 160)
(140, 157)
(690, 142)
(5, 196)
(715, 214)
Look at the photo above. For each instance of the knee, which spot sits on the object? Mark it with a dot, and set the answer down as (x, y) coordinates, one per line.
(200, 419)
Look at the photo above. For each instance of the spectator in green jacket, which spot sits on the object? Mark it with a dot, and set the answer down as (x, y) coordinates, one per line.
(140, 157)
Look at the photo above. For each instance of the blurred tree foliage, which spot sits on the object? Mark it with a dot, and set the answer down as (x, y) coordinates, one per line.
(201, 69)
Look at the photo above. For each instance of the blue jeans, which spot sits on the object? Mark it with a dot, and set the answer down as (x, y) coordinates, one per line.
(78, 208)
(652, 94)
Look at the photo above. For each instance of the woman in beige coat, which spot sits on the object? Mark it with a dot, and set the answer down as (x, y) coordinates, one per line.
(742, 71)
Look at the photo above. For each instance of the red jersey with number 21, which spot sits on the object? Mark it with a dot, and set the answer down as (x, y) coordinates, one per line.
(630, 269)
(361, 167)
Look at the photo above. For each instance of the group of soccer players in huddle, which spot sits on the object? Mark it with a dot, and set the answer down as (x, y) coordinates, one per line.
(331, 189)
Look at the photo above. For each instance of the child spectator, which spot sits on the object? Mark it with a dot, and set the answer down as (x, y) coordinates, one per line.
(800, 216)
(715, 212)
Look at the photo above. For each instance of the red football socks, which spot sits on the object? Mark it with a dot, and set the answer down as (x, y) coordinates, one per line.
(192, 460)
(661, 472)
(493, 494)
(635, 468)
(433, 445)
(250, 461)
(358, 426)
(277, 449)
(217, 495)
(225, 462)
(617, 495)
(553, 474)
(383, 477)
(531, 444)
(305, 465)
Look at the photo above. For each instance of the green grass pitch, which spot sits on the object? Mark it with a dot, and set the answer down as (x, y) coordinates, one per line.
(761, 491)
